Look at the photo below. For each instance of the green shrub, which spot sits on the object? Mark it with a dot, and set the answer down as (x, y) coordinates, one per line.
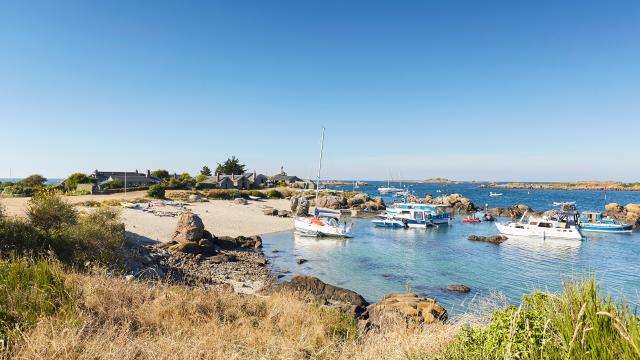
(33, 181)
(577, 324)
(47, 211)
(72, 182)
(274, 194)
(160, 173)
(115, 184)
(97, 237)
(156, 191)
(30, 289)
(255, 193)
(20, 237)
(222, 194)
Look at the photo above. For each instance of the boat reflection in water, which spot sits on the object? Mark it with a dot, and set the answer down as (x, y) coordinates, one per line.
(549, 247)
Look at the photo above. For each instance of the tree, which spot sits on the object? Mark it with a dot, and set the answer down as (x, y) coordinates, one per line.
(205, 171)
(115, 184)
(161, 173)
(156, 191)
(231, 166)
(73, 180)
(34, 181)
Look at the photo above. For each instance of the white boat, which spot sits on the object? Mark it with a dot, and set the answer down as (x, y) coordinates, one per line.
(492, 194)
(415, 215)
(388, 190)
(564, 227)
(324, 222)
(389, 222)
(567, 203)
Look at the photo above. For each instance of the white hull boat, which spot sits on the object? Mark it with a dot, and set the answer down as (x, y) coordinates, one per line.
(389, 190)
(565, 226)
(314, 226)
(492, 194)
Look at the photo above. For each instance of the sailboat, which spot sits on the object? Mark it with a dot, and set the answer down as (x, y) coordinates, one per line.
(388, 189)
(324, 222)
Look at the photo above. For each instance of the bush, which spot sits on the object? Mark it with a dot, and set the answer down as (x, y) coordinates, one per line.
(47, 211)
(97, 237)
(222, 194)
(115, 184)
(73, 180)
(31, 289)
(274, 194)
(19, 237)
(160, 173)
(577, 324)
(156, 191)
(33, 181)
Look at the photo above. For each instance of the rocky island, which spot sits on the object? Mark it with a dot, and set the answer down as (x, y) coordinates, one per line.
(578, 185)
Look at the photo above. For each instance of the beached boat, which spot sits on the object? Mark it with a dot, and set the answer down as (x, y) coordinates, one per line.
(420, 215)
(492, 194)
(324, 222)
(600, 222)
(564, 226)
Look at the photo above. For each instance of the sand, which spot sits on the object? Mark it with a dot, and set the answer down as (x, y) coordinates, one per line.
(220, 217)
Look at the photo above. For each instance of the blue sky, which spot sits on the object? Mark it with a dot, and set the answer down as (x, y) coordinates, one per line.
(506, 90)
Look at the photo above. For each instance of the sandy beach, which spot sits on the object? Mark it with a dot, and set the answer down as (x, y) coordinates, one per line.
(220, 217)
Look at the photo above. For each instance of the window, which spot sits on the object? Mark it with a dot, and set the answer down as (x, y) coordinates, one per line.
(545, 225)
(418, 215)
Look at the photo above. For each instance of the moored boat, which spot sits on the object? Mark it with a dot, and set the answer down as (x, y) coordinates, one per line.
(492, 194)
(600, 222)
(565, 226)
(388, 222)
(420, 215)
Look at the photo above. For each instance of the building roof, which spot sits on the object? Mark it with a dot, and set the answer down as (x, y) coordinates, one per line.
(286, 178)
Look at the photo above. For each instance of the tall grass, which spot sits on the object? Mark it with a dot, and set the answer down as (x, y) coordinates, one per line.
(29, 290)
(579, 323)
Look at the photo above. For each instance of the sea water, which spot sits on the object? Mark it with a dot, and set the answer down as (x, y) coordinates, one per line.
(379, 261)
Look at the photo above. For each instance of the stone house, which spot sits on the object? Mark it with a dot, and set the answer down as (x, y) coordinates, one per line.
(126, 178)
(241, 182)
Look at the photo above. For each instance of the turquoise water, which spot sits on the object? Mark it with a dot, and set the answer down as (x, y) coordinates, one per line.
(379, 261)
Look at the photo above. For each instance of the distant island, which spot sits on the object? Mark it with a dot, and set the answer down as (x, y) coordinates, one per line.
(437, 180)
(345, 182)
(578, 185)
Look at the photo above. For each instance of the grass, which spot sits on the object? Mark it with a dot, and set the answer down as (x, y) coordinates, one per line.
(30, 290)
(579, 323)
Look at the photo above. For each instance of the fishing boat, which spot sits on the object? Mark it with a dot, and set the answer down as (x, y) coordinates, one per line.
(562, 226)
(324, 222)
(600, 222)
(415, 215)
(492, 194)
(471, 219)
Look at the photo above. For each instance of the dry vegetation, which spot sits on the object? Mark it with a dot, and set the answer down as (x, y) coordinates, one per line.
(118, 319)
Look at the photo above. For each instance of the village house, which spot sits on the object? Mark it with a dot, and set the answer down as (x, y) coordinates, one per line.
(241, 182)
(126, 178)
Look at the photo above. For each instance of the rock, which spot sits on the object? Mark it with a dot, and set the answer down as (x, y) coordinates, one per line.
(314, 290)
(408, 307)
(294, 203)
(333, 202)
(186, 247)
(189, 228)
(270, 211)
(458, 288)
(615, 210)
(301, 261)
(223, 258)
(359, 199)
(129, 277)
(207, 235)
(632, 208)
(262, 261)
(231, 243)
(494, 239)
(284, 213)
(240, 201)
(303, 207)
(194, 197)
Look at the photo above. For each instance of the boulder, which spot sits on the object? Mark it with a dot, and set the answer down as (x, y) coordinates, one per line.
(615, 210)
(189, 228)
(405, 307)
(231, 243)
(223, 258)
(458, 288)
(359, 199)
(284, 213)
(240, 201)
(303, 207)
(270, 211)
(312, 289)
(632, 208)
(333, 202)
(186, 247)
(494, 239)
(194, 197)
(301, 261)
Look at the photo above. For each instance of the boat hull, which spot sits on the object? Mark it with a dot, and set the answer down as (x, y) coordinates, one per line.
(618, 229)
(388, 224)
(571, 233)
(305, 226)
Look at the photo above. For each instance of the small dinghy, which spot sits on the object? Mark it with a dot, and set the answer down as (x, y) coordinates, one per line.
(492, 194)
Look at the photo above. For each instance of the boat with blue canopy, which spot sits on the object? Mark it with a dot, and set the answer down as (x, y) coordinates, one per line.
(600, 222)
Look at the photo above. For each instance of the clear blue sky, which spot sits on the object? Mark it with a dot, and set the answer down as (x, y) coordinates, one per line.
(508, 90)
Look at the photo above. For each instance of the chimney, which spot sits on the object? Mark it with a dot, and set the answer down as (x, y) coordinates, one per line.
(148, 173)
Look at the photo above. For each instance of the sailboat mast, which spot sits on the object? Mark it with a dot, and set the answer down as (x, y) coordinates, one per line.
(320, 166)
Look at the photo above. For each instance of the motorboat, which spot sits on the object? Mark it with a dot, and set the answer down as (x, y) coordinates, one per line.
(389, 190)
(562, 226)
(600, 222)
(324, 222)
(563, 204)
(416, 215)
(471, 219)
(388, 222)
(492, 194)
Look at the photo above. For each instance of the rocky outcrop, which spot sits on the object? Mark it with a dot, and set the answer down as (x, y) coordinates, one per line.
(240, 201)
(312, 289)
(230, 243)
(190, 228)
(302, 206)
(403, 307)
(629, 214)
(459, 203)
(494, 239)
(516, 211)
(360, 201)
